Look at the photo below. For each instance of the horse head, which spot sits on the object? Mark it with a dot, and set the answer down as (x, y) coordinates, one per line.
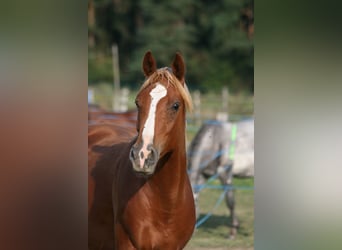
(161, 103)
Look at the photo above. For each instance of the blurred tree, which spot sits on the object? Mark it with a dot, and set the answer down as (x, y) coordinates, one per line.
(116, 23)
(228, 52)
(91, 24)
(164, 30)
(215, 37)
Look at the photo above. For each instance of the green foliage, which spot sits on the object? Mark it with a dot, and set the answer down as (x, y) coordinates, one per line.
(207, 33)
(99, 69)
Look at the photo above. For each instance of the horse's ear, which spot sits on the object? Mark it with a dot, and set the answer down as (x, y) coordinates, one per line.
(178, 67)
(149, 64)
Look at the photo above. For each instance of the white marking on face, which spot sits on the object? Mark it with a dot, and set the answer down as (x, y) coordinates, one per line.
(157, 93)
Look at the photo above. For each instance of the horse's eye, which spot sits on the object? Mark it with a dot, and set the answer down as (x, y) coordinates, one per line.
(175, 106)
(137, 103)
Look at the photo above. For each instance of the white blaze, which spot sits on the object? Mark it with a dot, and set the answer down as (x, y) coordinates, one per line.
(148, 131)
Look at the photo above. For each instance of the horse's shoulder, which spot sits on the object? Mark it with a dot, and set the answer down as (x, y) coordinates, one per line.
(107, 144)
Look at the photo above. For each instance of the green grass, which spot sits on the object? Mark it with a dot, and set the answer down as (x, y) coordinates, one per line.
(215, 231)
(239, 105)
(103, 95)
(211, 103)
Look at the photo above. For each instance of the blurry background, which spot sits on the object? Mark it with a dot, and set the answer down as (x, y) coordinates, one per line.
(43, 84)
(216, 41)
(215, 38)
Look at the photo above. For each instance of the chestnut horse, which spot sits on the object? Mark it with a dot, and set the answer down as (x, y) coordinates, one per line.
(98, 115)
(140, 195)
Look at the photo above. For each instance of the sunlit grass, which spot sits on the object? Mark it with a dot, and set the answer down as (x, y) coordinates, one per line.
(211, 103)
(215, 231)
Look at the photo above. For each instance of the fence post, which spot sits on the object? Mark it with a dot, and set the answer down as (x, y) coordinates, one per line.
(223, 115)
(91, 96)
(197, 107)
(124, 99)
(116, 72)
(225, 99)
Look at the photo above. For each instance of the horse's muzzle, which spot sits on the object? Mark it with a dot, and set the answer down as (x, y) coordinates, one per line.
(144, 161)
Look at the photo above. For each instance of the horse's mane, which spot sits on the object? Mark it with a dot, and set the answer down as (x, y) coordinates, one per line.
(164, 73)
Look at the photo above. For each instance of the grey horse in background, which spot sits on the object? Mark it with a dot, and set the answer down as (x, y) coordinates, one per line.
(222, 149)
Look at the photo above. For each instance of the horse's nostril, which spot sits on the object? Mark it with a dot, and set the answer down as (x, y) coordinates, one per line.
(154, 152)
(132, 154)
(153, 156)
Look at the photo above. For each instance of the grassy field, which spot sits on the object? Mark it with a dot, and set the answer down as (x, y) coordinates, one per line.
(239, 105)
(213, 234)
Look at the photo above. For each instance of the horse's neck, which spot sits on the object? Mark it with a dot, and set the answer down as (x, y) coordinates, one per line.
(171, 179)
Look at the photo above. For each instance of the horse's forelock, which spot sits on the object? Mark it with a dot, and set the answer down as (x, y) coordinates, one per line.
(166, 73)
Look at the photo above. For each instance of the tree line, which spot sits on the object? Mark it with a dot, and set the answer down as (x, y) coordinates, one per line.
(215, 38)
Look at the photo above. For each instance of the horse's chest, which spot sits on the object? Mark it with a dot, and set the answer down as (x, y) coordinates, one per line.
(157, 230)
(152, 221)
(157, 237)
